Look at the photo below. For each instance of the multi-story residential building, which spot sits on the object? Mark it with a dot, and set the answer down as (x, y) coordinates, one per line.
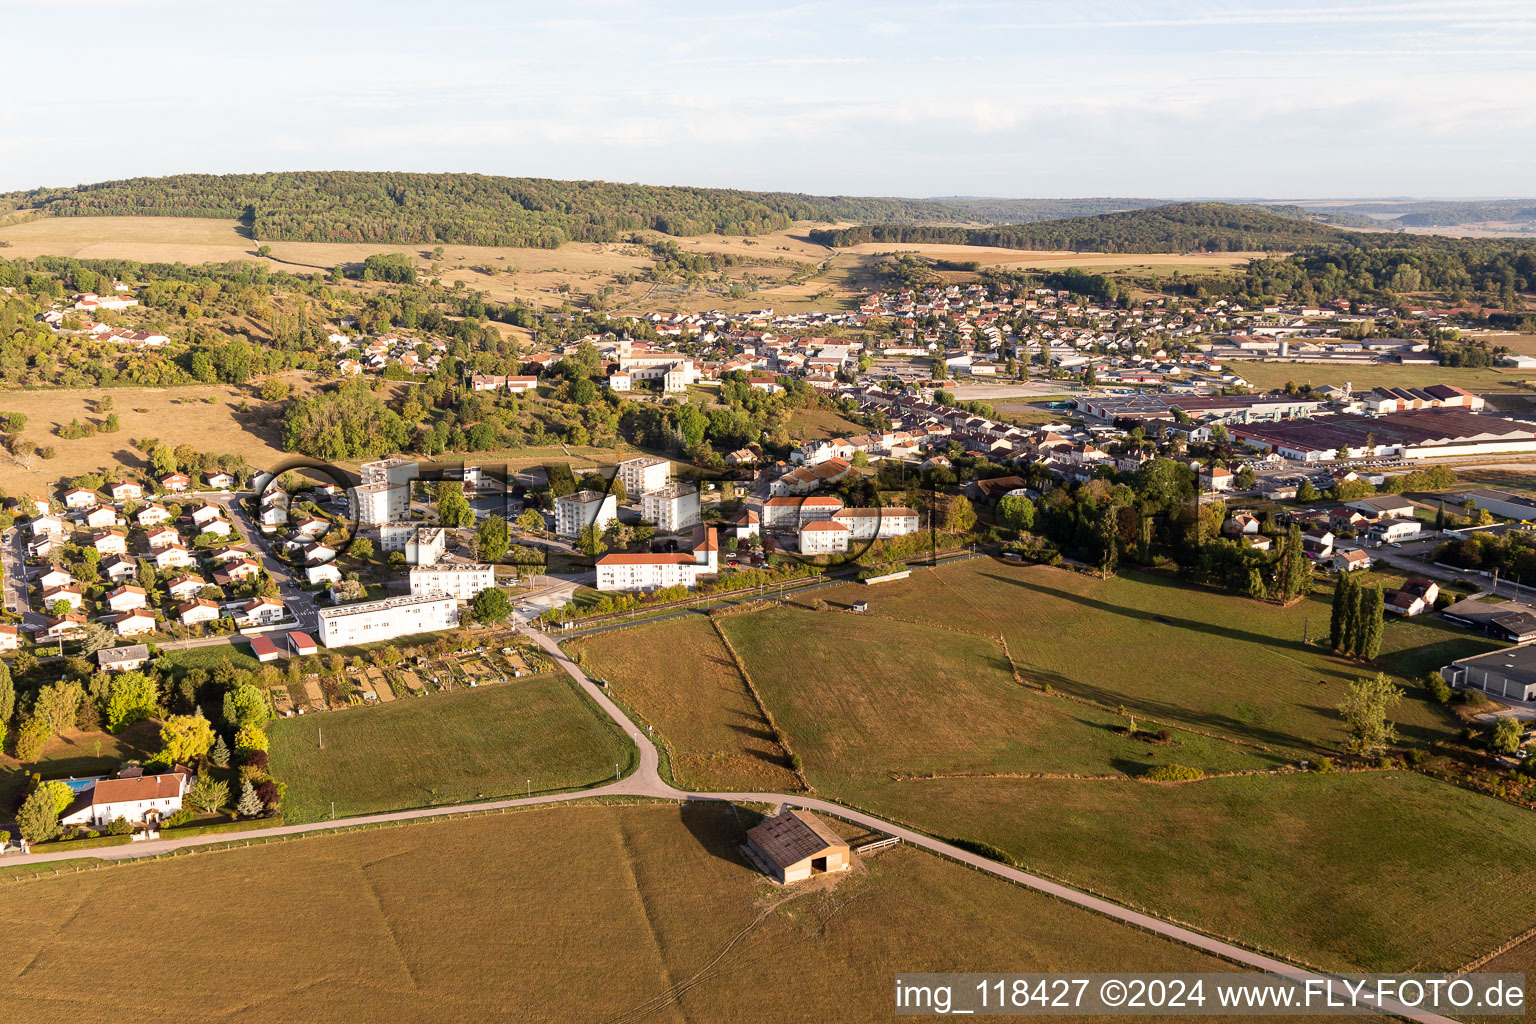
(459, 581)
(650, 571)
(371, 621)
(823, 537)
(575, 512)
(644, 474)
(877, 523)
(384, 493)
(372, 504)
(422, 545)
(673, 508)
(791, 513)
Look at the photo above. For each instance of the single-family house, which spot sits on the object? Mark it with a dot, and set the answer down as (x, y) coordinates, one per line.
(1350, 561)
(127, 597)
(79, 497)
(122, 659)
(197, 611)
(125, 490)
(134, 622)
(173, 557)
(141, 800)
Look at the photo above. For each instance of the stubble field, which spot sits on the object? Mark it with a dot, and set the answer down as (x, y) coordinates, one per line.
(601, 913)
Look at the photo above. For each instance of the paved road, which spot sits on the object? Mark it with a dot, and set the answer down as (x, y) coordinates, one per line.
(646, 781)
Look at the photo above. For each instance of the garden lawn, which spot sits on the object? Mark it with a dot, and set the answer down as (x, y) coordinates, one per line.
(448, 748)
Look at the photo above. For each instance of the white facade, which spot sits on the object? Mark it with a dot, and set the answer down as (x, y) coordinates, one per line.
(459, 581)
(422, 545)
(877, 523)
(372, 621)
(793, 512)
(137, 800)
(646, 572)
(576, 512)
(823, 538)
(372, 504)
(673, 508)
(645, 474)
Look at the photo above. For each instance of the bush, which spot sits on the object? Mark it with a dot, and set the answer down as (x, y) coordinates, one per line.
(119, 826)
(1173, 773)
(177, 819)
(1438, 688)
(795, 762)
(986, 850)
(1323, 765)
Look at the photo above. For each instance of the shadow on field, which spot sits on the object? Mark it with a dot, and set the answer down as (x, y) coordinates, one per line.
(713, 824)
(1194, 625)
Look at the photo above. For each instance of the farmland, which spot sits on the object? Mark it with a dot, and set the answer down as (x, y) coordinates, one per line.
(1265, 376)
(448, 748)
(528, 910)
(1343, 870)
(1181, 655)
(678, 677)
(912, 711)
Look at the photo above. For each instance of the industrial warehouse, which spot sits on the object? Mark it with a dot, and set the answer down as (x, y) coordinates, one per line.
(1419, 434)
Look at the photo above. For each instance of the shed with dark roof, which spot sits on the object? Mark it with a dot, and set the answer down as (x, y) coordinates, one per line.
(793, 845)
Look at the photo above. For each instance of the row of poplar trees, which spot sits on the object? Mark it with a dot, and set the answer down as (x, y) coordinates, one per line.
(1356, 625)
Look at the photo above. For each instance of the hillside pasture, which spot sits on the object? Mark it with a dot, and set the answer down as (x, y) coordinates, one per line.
(203, 416)
(678, 677)
(1182, 655)
(601, 913)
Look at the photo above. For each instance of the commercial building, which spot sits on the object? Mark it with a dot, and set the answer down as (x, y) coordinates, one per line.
(644, 474)
(673, 508)
(1510, 672)
(575, 512)
(371, 621)
(459, 581)
(1420, 434)
(1502, 503)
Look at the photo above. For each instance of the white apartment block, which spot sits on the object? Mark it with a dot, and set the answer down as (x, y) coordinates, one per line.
(422, 545)
(458, 581)
(644, 474)
(392, 476)
(792, 513)
(823, 537)
(646, 571)
(576, 512)
(371, 621)
(673, 508)
(373, 504)
(877, 523)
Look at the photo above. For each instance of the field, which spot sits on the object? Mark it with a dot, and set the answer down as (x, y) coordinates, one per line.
(1265, 376)
(899, 698)
(182, 415)
(912, 711)
(597, 913)
(1376, 871)
(1183, 656)
(812, 423)
(448, 748)
(679, 678)
(1034, 259)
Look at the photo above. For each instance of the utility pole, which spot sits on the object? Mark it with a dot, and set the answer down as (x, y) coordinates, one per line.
(321, 733)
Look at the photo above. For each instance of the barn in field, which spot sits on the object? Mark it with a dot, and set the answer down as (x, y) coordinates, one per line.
(793, 845)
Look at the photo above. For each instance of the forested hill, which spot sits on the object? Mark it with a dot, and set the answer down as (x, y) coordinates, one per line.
(467, 209)
(1180, 227)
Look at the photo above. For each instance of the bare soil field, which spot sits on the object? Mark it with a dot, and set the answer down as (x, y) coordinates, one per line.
(597, 913)
(204, 416)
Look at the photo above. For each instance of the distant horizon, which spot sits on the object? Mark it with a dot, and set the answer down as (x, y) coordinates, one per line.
(1235, 199)
(1421, 98)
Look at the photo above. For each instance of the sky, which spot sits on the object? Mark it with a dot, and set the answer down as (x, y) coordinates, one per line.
(1280, 99)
